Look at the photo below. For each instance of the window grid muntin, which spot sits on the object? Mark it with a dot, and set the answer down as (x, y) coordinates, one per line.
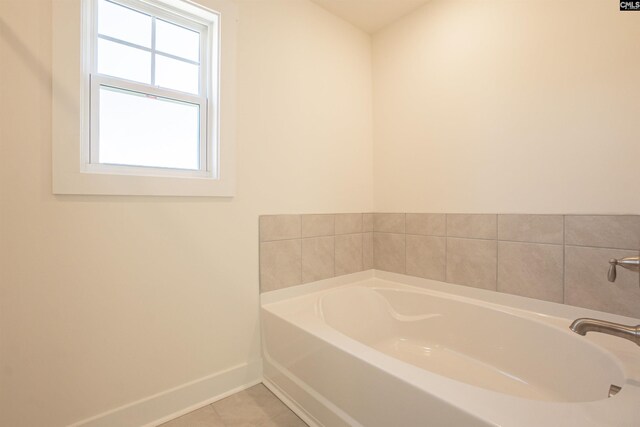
(153, 52)
(122, 4)
(146, 49)
(169, 17)
(191, 29)
(208, 147)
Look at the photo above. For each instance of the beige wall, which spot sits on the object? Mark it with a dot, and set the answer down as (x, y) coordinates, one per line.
(493, 106)
(106, 300)
(508, 106)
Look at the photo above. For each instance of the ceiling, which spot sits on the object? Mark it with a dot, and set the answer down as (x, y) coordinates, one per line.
(370, 15)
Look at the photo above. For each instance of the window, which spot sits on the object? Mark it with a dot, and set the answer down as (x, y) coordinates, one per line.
(149, 89)
(155, 106)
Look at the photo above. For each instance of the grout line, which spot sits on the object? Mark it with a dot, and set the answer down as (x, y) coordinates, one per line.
(564, 257)
(300, 272)
(446, 248)
(361, 241)
(334, 223)
(446, 225)
(601, 247)
(513, 241)
(473, 238)
(290, 240)
(259, 259)
(361, 252)
(453, 237)
(404, 238)
(389, 232)
(497, 260)
(497, 253)
(216, 411)
(426, 235)
(334, 245)
(373, 249)
(529, 243)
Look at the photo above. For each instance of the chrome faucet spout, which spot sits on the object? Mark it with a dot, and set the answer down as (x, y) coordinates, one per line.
(583, 325)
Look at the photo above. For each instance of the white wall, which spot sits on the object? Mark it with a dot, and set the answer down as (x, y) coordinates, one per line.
(106, 300)
(508, 106)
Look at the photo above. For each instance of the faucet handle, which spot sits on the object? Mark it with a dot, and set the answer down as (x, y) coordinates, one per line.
(630, 263)
(611, 276)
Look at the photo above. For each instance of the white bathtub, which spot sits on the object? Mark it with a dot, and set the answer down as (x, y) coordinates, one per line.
(383, 349)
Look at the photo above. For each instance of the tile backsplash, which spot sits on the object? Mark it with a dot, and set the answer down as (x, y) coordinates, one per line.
(296, 249)
(559, 258)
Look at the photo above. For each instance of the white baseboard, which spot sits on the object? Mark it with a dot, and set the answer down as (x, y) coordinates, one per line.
(162, 407)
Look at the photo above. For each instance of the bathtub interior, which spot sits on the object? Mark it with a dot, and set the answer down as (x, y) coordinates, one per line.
(333, 387)
(473, 344)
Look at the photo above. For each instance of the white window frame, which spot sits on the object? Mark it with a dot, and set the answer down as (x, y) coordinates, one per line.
(204, 99)
(75, 98)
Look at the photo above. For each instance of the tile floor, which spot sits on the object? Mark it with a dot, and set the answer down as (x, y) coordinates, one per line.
(255, 406)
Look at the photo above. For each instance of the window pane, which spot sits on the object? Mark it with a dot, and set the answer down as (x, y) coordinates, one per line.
(177, 40)
(124, 23)
(175, 74)
(140, 130)
(118, 60)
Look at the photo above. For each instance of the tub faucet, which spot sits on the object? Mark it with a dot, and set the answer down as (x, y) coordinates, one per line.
(631, 263)
(583, 325)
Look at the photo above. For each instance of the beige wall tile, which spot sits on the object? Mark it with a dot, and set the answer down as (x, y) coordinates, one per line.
(605, 231)
(531, 270)
(348, 223)
(427, 224)
(529, 258)
(279, 227)
(472, 262)
(318, 225)
(389, 252)
(426, 256)
(586, 282)
(474, 226)
(531, 228)
(348, 253)
(280, 264)
(389, 222)
(367, 222)
(367, 251)
(318, 257)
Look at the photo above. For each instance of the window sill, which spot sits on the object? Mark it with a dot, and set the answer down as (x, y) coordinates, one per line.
(92, 183)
